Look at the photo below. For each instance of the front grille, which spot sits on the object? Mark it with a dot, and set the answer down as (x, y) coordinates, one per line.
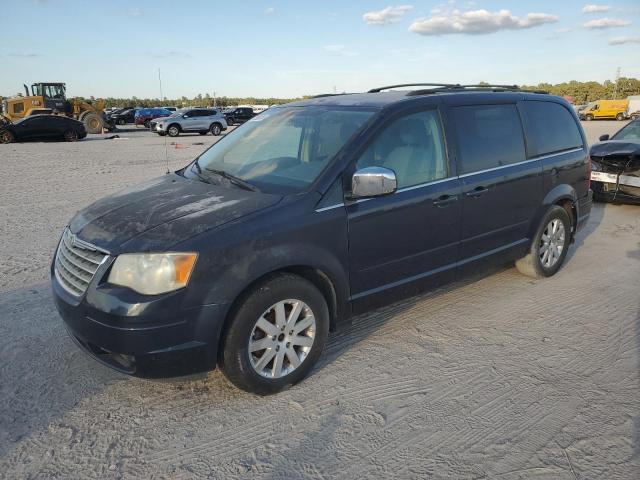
(76, 263)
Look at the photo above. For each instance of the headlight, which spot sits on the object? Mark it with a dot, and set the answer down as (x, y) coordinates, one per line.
(152, 273)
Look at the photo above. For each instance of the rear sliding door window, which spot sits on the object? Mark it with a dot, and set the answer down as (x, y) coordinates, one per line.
(550, 128)
(489, 136)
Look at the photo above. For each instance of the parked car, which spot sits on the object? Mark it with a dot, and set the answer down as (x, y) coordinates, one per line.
(615, 174)
(198, 120)
(239, 115)
(144, 116)
(633, 110)
(122, 116)
(42, 127)
(171, 109)
(313, 212)
(605, 110)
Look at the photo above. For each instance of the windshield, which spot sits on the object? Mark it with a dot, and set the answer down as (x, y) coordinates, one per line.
(629, 132)
(282, 150)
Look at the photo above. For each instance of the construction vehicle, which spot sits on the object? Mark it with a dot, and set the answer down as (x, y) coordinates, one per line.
(46, 95)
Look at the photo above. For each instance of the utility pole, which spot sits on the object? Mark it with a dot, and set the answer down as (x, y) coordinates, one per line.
(214, 99)
(615, 87)
(160, 81)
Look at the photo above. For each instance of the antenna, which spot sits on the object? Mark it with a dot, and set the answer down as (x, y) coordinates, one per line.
(166, 151)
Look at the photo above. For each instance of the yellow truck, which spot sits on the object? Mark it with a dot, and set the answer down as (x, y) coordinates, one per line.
(605, 110)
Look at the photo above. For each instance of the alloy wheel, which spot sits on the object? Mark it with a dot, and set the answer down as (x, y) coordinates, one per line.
(552, 243)
(282, 338)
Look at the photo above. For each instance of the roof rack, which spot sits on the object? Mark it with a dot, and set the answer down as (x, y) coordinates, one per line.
(475, 88)
(389, 87)
(321, 95)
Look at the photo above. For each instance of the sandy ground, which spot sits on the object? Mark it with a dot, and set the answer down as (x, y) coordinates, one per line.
(498, 377)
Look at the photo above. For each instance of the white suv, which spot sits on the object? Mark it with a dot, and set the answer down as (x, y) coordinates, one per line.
(201, 120)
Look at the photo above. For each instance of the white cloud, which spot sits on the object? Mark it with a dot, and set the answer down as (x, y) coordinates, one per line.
(340, 49)
(606, 23)
(623, 40)
(478, 22)
(386, 15)
(269, 11)
(592, 8)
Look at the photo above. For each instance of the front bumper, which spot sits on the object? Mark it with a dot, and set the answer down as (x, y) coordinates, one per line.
(148, 336)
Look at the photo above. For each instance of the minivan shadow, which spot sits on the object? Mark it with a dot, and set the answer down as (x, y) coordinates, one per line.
(43, 375)
(364, 325)
(595, 218)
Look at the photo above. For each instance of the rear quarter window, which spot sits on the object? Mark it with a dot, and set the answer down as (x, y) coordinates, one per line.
(489, 136)
(549, 127)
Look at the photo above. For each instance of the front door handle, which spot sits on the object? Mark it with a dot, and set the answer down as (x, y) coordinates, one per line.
(477, 192)
(445, 200)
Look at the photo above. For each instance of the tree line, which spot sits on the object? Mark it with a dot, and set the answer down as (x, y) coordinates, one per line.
(584, 92)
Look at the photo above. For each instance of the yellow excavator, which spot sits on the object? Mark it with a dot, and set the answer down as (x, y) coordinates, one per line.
(52, 98)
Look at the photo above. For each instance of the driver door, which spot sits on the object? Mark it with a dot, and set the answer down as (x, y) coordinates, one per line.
(407, 241)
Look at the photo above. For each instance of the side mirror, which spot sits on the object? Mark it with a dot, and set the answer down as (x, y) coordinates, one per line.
(604, 137)
(373, 182)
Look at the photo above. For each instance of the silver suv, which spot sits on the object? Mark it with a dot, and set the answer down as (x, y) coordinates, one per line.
(201, 120)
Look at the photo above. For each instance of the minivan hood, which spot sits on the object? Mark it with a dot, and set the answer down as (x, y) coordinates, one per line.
(162, 212)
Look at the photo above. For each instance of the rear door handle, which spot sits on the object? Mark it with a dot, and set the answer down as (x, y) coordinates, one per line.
(477, 192)
(445, 200)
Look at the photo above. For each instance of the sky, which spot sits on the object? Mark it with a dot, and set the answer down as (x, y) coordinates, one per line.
(289, 48)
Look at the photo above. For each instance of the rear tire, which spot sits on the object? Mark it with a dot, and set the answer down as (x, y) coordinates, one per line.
(71, 136)
(173, 130)
(121, 121)
(147, 123)
(275, 335)
(620, 117)
(549, 245)
(215, 129)
(7, 137)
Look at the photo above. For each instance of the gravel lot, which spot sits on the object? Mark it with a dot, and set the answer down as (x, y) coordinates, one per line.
(498, 377)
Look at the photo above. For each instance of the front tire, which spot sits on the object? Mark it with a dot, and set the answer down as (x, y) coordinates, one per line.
(549, 246)
(121, 121)
(588, 118)
(173, 131)
(275, 336)
(92, 122)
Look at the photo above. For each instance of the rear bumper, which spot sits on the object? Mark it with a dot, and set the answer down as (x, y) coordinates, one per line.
(584, 210)
(143, 336)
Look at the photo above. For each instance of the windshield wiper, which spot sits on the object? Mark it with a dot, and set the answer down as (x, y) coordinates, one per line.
(232, 178)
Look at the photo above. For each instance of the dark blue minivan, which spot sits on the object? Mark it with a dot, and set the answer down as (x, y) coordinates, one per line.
(312, 212)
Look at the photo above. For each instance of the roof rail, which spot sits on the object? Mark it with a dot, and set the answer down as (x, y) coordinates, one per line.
(389, 87)
(475, 88)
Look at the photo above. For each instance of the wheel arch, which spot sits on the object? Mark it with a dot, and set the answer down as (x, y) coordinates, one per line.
(563, 195)
(318, 277)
